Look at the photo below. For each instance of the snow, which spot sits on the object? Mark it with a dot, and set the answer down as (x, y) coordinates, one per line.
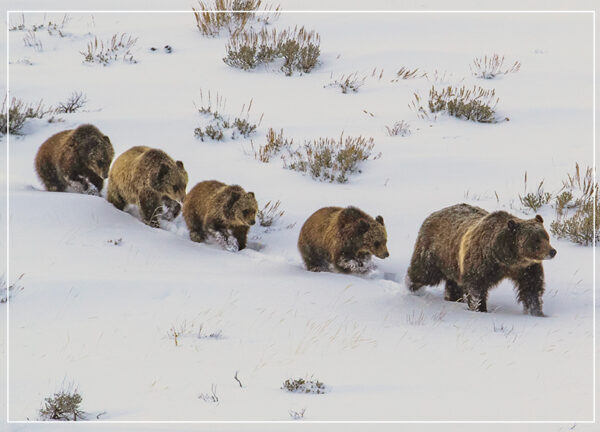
(102, 291)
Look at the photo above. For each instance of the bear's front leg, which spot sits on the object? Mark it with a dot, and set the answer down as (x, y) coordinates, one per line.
(241, 234)
(171, 208)
(530, 288)
(78, 183)
(94, 179)
(476, 296)
(346, 263)
(150, 207)
(222, 235)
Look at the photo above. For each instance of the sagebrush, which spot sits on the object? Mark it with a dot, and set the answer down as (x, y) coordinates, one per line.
(400, 128)
(219, 123)
(351, 82)
(233, 15)
(63, 406)
(13, 117)
(577, 208)
(489, 67)
(270, 214)
(330, 159)
(274, 145)
(475, 104)
(301, 385)
(118, 47)
(297, 48)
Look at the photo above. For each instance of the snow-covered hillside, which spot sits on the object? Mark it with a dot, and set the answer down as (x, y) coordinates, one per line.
(102, 292)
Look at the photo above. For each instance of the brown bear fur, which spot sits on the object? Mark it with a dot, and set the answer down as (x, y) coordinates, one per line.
(77, 158)
(473, 250)
(150, 179)
(342, 239)
(213, 207)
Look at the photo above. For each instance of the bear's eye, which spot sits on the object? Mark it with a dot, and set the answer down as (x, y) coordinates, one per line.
(175, 188)
(377, 244)
(246, 213)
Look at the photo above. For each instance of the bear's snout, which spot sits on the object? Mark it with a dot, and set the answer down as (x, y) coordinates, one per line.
(386, 254)
(252, 222)
(552, 253)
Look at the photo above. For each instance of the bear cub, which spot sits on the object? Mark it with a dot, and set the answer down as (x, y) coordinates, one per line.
(150, 179)
(76, 159)
(225, 212)
(473, 250)
(342, 239)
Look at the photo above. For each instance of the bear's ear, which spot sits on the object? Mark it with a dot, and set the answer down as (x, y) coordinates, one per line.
(379, 219)
(539, 218)
(106, 138)
(162, 172)
(363, 227)
(251, 194)
(512, 225)
(179, 164)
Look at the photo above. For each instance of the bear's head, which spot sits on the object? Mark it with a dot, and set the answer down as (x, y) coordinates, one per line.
(241, 206)
(374, 237)
(171, 181)
(531, 240)
(94, 149)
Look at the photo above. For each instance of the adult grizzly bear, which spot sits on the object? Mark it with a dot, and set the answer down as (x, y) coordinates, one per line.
(150, 179)
(223, 211)
(473, 250)
(78, 159)
(342, 239)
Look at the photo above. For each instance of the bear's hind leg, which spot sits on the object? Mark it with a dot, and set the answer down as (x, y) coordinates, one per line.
(113, 197)
(530, 288)
(453, 292)
(196, 228)
(315, 258)
(421, 273)
(49, 176)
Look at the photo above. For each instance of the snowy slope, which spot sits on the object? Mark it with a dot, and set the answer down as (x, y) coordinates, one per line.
(99, 314)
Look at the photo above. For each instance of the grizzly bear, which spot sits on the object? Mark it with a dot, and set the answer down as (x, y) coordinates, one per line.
(342, 239)
(473, 250)
(150, 179)
(223, 211)
(78, 159)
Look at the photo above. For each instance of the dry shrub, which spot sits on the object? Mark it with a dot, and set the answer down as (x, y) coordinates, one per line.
(405, 73)
(575, 205)
(31, 40)
(274, 145)
(18, 112)
(234, 15)
(300, 385)
(350, 82)
(270, 214)
(298, 48)
(476, 104)
(220, 123)
(492, 66)
(74, 103)
(400, 128)
(63, 406)
(328, 159)
(534, 200)
(113, 49)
